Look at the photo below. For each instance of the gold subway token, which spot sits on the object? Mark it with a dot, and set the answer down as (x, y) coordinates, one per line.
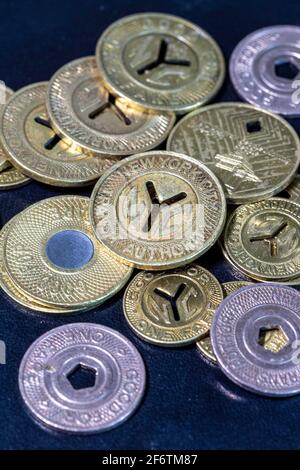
(4, 163)
(11, 178)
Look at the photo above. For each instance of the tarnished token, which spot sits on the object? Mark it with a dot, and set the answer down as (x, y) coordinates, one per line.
(82, 378)
(158, 210)
(81, 109)
(172, 308)
(265, 69)
(11, 178)
(37, 151)
(160, 61)
(204, 344)
(254, 153)
(52, 256)
(293, 190)
(238, 330)
(7, 93)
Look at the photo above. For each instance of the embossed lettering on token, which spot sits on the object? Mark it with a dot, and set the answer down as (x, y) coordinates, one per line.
(3, 155)
(173, 308)
(265, 69)
(160, 61)
(204, 344)
(52, 255)
(263, 239)
(81, 109)
(82, 378)
(37, 150)
(238, 333)
(254, 153)
(11, 178)
(158, 210)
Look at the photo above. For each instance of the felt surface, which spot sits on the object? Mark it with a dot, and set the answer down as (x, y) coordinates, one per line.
(189, 403)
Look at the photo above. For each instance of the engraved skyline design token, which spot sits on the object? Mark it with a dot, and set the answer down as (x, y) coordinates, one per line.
(254, 153)
(263, 239)
(52, 388)
(265, 69)
(3, 155)
(82, 110)
(293, 190)
(204, 344)
(37, 150)
(238, 328)
(52, 256)
(11, 178)
(172, 308)
(158, 210)
(160, 61)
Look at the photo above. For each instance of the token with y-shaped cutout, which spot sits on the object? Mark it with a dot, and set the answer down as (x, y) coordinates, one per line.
(82, 110)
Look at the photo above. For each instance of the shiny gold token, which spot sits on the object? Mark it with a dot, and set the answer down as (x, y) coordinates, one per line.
(158, 210)
(254, 153)
(36, 150)
(160, 61)
(204, 344)
(293, 190)
(3, 156)
(263, 239)
(172, 308)
(11, 178)
(81, 109)
(52, 256)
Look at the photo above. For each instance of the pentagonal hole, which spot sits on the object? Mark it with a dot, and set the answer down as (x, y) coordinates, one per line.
(272, 338)
(286, 69)
(253, 126)
(82, 377)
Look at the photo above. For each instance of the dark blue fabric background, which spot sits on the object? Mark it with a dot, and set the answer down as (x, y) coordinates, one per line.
(189, 404)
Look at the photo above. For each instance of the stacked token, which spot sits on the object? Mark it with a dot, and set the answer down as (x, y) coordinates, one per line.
(99, 120)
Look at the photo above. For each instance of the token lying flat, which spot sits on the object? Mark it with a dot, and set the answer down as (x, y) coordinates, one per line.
(160, 61)
(265, 69)
(82, 110)
(263, 239)
(52, 256)
(239, 326)
(172, 308)
(36, 150)
(11, 178)
(158, 210)
(254, 153)
(50, 385)
(204, 344)
(3, 156)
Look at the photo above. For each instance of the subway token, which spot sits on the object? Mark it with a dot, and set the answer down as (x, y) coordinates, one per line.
(82, 110)
(53, 388)
(254, 153)
(158, 210)
(11, 178)
(238, 333)
(160, 62)
(265, 69)
(172, 308)
(52, 256)
(204, 344)
(263, 239)
(4, 163)
(293, 190)
(36, 150)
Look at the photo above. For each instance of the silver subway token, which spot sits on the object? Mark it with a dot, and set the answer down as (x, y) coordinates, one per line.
(239, 333)
(265, 69)
(82, 378)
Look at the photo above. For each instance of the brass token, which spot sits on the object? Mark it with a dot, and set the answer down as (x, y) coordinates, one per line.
(81, 109)
(3, 156)
(263, 239)
(160, 61)
(37, 151)
(204, 344)
(172, 308)
(52, 256)
(158, 210)
(11, 178)
(254, 153)
(293, 190)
